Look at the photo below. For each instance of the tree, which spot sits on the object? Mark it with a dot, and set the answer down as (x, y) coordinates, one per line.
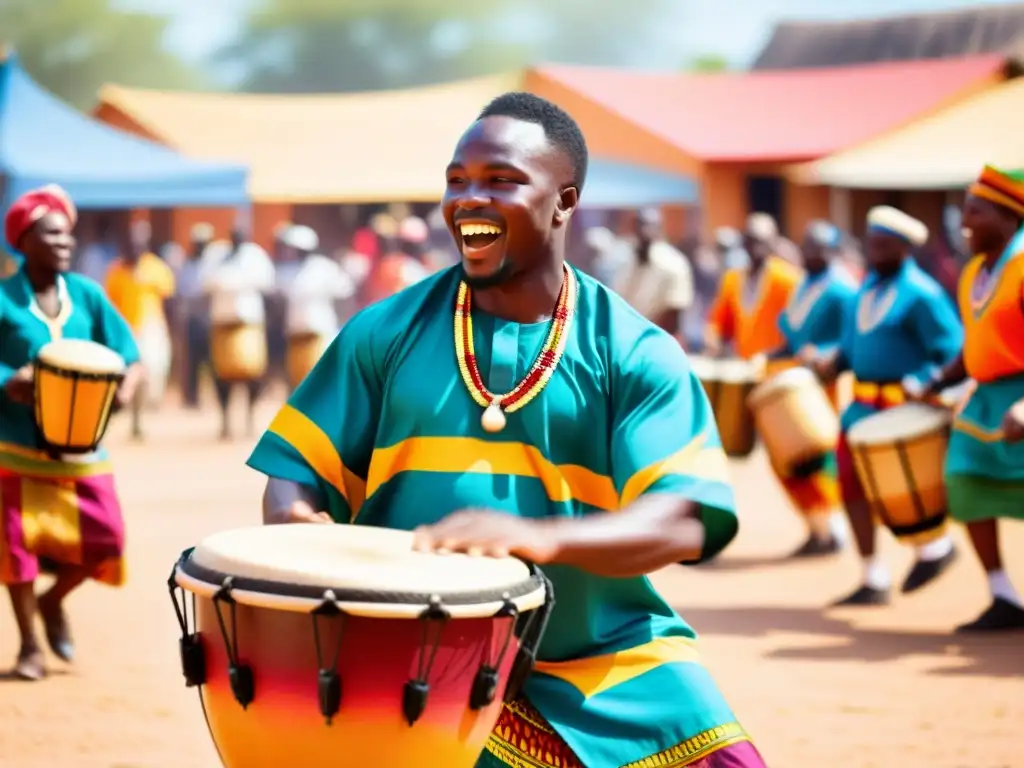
(313, 46)
(296, 46)
(72, 47)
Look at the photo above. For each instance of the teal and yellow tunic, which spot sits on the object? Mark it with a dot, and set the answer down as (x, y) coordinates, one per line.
(386, 431)
(66, 511)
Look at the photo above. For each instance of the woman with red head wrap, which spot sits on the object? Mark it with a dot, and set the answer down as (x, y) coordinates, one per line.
(62, 512)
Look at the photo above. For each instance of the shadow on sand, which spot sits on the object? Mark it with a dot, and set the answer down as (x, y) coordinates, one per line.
(982, 655)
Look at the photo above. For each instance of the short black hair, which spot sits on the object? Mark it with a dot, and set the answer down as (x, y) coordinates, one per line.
(558, 125)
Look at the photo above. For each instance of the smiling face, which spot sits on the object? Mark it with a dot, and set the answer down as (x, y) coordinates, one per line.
(508, 197)
(987, 226)
(48, 243)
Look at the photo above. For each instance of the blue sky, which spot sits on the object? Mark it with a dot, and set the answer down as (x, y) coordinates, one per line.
(734, 28)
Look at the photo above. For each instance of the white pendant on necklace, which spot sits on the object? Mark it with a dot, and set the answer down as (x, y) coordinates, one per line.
(493, 419)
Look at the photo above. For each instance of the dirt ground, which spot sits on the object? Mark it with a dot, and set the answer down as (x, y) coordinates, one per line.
(884, 688)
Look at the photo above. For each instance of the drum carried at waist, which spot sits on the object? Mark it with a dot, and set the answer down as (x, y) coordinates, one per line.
(899, 455)
(796, 421)
(372, 653)
(728, 383)
(304, 350)
(238, 351)
(75, 384)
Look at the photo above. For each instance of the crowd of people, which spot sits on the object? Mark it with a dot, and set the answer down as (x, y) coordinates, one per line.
(624, 425)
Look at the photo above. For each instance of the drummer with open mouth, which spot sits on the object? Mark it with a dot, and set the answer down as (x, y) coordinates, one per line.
(985, 463)
(66, 512)
(901, 331)
(512, 405)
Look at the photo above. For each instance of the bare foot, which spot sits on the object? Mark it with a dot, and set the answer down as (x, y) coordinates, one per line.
(58, 633)
(31, 666)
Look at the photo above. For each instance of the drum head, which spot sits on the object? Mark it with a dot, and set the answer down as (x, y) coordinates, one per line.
(82, 356)
(359, 565)
(791, 378)
(904, 422)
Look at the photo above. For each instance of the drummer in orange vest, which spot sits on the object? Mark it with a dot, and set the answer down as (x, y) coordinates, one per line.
(751, 300)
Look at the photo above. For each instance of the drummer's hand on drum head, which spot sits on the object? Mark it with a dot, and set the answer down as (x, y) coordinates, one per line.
(824, 367)
(303, 512)
(483, 533)
(807, 354)
(20, 387)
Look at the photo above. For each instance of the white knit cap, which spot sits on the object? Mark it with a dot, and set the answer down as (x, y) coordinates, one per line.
(892, 221)
(301, 238)
(762, 226)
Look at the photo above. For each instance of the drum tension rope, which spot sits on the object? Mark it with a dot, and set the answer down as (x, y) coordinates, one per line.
(414, 696)
(240, 675)
(328, 680)
(485, 685)
(193, 659)
(532, 633)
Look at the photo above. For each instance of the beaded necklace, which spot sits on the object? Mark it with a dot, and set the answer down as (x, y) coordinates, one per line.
(495, 406)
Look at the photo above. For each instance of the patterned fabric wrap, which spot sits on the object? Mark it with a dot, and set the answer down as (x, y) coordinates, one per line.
(65, 520)
(524, 739)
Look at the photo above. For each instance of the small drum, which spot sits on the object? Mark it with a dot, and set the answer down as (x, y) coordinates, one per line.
(304, 350)
(325, 645)
(728, 383)
(238, 352)
(796, 421)
(75, 384)
(899, 454)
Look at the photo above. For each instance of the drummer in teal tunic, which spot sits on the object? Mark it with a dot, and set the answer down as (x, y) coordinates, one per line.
(600, 462)
(901, 330)
(985, 462)
(812, 325)
(63, 511)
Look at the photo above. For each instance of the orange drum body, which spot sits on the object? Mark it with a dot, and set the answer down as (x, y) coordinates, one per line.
(304, 350)
(238, 352)
(75, 384)
(728, 383)
(292, 674)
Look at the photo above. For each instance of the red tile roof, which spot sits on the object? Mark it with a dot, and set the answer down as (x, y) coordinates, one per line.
(781, 116)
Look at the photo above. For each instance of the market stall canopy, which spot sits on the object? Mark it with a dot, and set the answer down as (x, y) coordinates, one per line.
(942, 151)
(350, 148)
(779, 116)
(45, 141)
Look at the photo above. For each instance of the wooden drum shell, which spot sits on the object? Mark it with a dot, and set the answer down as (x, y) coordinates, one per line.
(728, 397)
(72, 408)
(795, 419)
(903, 479)
(238, 352)
(304, 350)
(283, 725)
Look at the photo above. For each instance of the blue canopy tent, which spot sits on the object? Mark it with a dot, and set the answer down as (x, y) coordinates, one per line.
(45, 141)
(612, 184)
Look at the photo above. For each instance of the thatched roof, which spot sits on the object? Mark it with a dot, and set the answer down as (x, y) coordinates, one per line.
(988, 29)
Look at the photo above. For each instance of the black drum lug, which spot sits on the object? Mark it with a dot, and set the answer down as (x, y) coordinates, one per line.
(243, 685)
(329, 691)
(193, 660)
(485, 688)
(414, 700)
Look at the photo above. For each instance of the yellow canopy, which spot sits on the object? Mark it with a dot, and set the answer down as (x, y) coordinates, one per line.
(350, 148)
(945, 150)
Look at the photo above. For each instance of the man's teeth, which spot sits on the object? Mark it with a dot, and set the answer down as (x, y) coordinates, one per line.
(479, 229)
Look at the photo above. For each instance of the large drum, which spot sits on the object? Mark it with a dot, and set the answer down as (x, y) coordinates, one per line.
(238, 352)
(728, 383)
(304, 350)
(327, 645)
(899, 454)
(796, 421)
(75, 384)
